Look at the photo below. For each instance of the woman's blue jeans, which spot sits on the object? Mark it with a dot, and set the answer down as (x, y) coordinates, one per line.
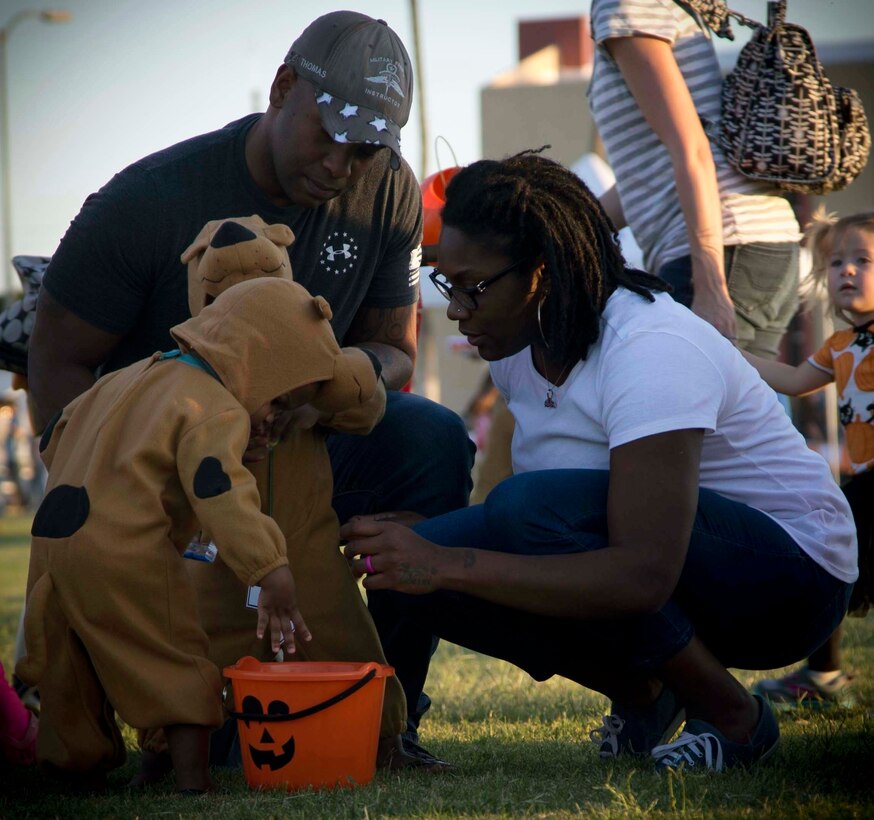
(754, 598)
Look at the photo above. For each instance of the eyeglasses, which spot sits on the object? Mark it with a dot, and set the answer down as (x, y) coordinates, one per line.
(466, 297)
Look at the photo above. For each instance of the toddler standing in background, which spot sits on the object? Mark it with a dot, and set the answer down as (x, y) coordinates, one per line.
(843, 262)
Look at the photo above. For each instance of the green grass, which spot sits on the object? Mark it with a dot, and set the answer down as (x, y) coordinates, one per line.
(520, 748)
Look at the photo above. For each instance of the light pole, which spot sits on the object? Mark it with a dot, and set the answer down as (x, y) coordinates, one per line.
(47, 16)
(420, 83)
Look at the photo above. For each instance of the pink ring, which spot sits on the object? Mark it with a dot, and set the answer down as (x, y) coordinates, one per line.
(368, 565)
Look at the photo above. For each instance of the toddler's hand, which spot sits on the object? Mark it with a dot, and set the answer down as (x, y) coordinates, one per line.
(277, 609)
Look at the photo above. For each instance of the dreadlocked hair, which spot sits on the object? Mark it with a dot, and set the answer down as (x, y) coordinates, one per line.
(536, 210)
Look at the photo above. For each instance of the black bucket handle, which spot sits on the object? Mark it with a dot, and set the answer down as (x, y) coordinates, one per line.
(310, 710)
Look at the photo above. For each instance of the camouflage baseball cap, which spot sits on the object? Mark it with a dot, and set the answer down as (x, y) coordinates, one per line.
(362, 74)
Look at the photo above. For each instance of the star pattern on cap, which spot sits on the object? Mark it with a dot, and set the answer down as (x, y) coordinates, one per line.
(358, 123)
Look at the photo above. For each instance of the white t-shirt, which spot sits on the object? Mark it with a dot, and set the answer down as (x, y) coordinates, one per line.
(657, 367)
(751, 211)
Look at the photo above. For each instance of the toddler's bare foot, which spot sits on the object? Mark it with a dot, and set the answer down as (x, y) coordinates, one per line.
(194, 786)
(154, 767)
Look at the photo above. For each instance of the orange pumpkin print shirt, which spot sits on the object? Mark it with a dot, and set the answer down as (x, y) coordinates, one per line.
(848, 356)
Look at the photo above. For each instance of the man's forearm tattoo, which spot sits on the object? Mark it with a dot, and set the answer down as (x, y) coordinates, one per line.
(388, 326)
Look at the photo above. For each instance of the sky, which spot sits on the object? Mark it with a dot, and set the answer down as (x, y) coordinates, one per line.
(123, 79)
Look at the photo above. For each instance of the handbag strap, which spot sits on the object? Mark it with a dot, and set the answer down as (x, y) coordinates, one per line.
(717, 16)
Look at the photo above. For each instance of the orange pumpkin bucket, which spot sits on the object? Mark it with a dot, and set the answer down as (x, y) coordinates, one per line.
(308, 724)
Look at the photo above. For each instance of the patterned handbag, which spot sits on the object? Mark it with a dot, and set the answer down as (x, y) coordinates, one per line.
(16, 321)
(782, 120)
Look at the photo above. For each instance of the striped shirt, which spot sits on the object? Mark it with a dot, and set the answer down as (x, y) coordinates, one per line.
(751, 211)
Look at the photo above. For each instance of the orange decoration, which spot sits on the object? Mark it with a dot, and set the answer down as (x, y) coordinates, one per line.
(433, 199)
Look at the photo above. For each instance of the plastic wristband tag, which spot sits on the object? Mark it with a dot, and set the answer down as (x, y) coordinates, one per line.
(198, 550)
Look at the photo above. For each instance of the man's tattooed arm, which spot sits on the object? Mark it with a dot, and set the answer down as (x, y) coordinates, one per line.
(390, 334)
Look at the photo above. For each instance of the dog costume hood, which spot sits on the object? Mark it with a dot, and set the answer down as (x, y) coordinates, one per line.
(267, 336)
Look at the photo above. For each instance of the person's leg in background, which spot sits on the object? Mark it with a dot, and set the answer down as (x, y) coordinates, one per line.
(763, 284)
(418, 458)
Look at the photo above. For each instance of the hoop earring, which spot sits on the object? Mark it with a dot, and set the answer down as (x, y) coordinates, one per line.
(540, 324)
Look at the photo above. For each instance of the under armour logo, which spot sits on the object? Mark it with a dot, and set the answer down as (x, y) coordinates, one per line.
(339, 253)
(334, 253)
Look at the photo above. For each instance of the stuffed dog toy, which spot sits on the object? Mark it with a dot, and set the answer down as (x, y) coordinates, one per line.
(228, 251)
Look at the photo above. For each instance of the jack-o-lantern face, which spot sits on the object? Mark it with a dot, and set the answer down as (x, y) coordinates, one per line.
(277, 754)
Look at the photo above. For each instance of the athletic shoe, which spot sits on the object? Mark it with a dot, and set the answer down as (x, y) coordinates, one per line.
(798, 688)
(702, 747)
(635, 730)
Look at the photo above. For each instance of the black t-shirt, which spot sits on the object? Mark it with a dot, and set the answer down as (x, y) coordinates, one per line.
(118, 265)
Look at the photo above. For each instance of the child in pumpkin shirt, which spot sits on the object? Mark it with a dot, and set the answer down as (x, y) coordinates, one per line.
(843, 261)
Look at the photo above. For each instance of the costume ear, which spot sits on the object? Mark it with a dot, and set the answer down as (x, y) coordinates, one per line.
(280, 234)
(354, 382)
(200, 244)
(322, 307)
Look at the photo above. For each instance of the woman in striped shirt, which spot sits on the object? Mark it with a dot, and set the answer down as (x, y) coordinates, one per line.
(728, 245)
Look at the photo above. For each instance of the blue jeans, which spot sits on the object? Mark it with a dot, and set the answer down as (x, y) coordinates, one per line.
(763, 284)
(419, 457)
(755, 599)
